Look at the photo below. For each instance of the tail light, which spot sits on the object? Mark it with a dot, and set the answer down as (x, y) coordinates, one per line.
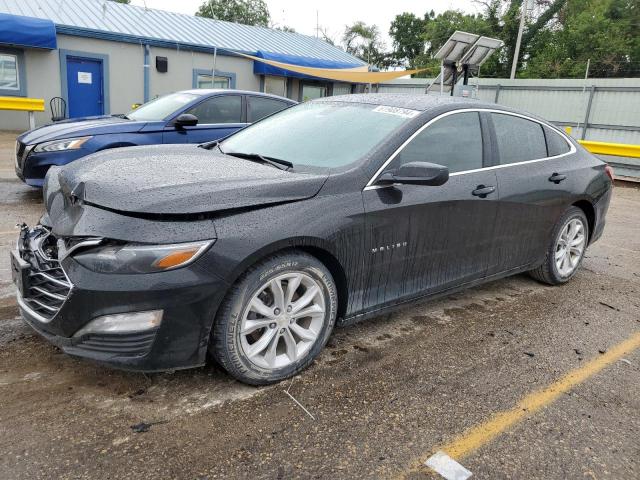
(609, 171)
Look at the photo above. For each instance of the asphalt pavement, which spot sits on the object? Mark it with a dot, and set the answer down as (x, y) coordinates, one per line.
(513, 379)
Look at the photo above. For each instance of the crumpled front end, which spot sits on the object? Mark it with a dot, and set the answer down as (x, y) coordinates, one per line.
(166, 316)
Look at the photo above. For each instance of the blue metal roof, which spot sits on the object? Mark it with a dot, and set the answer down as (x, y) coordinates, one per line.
(129, 23)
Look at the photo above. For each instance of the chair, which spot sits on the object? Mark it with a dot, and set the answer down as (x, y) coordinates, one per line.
(58, 109)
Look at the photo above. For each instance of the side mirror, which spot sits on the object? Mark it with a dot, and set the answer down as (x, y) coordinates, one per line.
(185, 120)
(416, 173)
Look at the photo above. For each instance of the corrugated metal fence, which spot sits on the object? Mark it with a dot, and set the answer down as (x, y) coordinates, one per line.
(610, 108)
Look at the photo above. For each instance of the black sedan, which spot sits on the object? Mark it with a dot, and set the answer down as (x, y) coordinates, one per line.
(340, 209)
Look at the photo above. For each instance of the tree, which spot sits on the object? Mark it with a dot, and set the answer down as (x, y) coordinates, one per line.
(364, 42)
(407, 33)
(602, 31)
(248, 12)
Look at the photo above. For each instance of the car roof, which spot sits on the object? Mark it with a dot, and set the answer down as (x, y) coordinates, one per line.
(420, 102)
(217, 91)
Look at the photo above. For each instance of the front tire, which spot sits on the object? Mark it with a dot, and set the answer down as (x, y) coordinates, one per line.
(275, 319)
(566, 249)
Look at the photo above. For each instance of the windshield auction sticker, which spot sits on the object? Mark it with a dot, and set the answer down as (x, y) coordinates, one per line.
(401, 112)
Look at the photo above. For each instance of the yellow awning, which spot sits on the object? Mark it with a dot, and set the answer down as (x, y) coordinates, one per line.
(350, 75)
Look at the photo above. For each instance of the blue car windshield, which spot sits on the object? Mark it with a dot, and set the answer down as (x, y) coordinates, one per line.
(161, 107)
(320, 134)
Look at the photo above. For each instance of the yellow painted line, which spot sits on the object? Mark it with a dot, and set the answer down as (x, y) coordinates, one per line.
(20, 103)
(482, 434)
(616, 149)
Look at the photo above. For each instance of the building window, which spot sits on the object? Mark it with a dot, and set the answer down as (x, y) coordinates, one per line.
(203, 78)
(9, 78)
(12, 72)
(205, 81)
(275, 86)
(310, 91)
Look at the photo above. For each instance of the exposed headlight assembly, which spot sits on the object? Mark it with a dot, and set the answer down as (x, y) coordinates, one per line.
(60, 145)
(137, 258)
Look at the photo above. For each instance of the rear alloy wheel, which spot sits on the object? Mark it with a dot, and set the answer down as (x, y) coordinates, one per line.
(276, 319)
(567, 248)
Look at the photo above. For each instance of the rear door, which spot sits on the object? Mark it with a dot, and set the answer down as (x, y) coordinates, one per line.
(533, 178)
(423, 239)
(218, 116)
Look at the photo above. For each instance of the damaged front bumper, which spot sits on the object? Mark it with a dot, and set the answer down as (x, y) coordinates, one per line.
(59, 299)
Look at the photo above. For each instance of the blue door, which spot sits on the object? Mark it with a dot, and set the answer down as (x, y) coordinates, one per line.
(84, 85)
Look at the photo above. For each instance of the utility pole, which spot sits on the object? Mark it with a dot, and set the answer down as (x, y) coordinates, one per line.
(516, 53)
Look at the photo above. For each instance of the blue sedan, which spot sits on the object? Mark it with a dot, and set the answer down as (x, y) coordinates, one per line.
(190, 116)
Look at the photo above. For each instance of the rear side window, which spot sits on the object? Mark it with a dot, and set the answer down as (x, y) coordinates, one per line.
(454, 141)
(556, 144)
(519, 139)
(258, 108)
(219, 109)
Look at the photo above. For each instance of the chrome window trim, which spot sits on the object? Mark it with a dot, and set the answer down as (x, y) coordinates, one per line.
(572, 149)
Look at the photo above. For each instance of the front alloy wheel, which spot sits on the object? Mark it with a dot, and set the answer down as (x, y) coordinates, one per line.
(282, 320)
(275, 319)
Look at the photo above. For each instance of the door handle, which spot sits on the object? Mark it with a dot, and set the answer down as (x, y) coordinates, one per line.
(557, 178)
(482, 191)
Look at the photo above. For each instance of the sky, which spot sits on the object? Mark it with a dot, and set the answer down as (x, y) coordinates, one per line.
(332, 15)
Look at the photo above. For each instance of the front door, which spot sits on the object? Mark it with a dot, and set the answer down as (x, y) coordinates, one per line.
(424, 239)
(85, 90)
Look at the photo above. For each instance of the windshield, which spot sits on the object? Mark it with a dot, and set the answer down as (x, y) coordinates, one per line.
(161, 107)
(321, 134)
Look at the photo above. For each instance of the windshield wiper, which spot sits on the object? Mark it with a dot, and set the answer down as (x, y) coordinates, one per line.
(276, 162)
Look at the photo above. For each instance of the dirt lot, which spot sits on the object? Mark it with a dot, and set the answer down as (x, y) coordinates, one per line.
(384, 396)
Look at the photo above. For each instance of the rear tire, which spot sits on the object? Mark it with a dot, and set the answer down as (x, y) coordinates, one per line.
(275, 319)
(566, 249)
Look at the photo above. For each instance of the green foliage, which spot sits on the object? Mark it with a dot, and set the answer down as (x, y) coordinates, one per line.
(559, 37)
(364, 42)
(248, 12)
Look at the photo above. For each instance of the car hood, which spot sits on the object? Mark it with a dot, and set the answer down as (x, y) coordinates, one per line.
(174, 180)
(80, 127)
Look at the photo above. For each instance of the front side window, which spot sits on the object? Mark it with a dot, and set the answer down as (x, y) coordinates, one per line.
(219, 109)
(454, 141)
(207, 81)
(9, 76)
(161, 107)
(258, 107)
(519, 139)
(323, 134)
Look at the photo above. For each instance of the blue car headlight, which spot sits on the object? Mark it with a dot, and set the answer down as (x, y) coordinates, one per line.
(60, 145)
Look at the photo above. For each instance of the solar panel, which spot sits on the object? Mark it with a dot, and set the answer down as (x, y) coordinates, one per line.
(463, 51)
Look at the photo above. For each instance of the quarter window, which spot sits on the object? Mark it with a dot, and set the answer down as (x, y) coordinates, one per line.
(454, 141)
(258, 108)
(519, 139)
(556, 144)
(219, 109)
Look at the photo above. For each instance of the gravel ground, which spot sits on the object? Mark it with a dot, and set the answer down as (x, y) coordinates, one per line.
(383, 394)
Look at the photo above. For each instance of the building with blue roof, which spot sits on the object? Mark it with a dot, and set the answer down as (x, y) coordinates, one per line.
(101, 57)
